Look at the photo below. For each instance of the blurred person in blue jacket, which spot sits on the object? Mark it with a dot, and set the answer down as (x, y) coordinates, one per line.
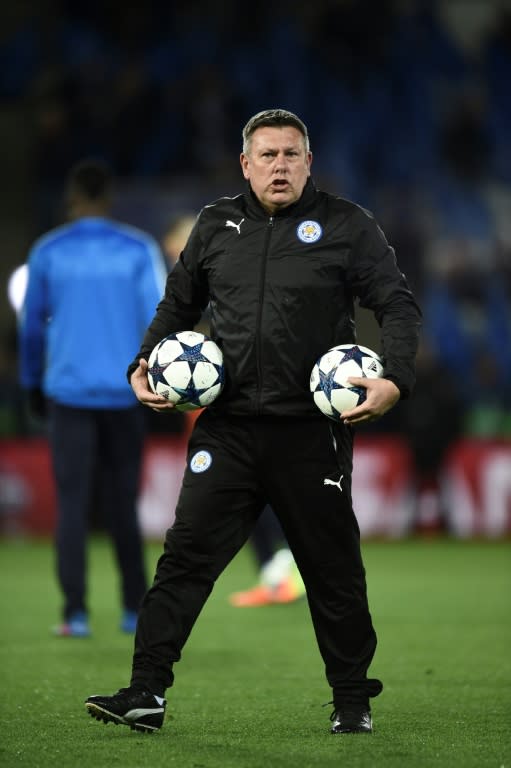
(93, 286)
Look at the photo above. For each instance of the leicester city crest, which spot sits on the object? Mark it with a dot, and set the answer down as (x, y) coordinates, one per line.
(309, 231)
(201, 461)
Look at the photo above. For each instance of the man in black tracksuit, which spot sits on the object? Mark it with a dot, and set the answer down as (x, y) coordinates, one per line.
(280, 266)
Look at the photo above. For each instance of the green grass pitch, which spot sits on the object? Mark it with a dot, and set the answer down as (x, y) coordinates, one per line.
(250, 686)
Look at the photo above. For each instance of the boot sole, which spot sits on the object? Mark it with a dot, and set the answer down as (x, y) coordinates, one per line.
(103, 715)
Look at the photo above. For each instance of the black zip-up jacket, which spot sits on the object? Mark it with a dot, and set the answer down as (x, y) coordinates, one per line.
(281, 291)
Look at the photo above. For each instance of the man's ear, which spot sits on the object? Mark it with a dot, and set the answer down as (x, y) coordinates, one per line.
(244, 165)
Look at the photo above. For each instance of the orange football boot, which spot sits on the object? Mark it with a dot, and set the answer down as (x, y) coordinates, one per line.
(286, 591)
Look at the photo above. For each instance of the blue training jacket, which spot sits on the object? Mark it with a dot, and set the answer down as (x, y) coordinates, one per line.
(93, 288)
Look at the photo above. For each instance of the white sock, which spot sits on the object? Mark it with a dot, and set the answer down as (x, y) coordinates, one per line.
(278, 569)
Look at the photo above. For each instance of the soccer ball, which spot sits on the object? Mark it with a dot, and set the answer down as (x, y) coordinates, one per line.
(187, 368)
(329, 378)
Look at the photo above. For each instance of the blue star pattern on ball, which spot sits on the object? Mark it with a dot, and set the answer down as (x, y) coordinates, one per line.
(191, 394)
(325, 382)
(332, 391)
(192, 354)
(328, 384)
(156, 371)
(187, 369)
(356, 354)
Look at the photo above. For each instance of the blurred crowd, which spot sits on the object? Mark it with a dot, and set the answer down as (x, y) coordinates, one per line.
(390, 94)
(407, 104)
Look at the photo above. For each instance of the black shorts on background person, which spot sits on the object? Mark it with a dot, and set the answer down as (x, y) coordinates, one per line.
(281, 267)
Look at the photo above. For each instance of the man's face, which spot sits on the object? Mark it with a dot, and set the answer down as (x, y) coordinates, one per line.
(277, 166)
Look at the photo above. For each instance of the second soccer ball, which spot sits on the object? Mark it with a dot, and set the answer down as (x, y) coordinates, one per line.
(329, 378)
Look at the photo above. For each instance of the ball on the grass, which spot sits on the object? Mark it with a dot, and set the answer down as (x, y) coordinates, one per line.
(187, 368)
(329, 378)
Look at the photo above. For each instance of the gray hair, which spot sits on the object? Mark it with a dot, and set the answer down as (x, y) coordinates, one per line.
(278, 118)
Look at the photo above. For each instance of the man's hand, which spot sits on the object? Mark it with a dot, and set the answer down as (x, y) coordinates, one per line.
(144, 394)
(381, 395)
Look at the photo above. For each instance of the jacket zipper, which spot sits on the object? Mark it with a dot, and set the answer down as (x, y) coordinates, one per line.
(259, 361)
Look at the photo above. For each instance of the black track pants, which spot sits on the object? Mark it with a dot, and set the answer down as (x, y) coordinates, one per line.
(89, 446)
(302, 468)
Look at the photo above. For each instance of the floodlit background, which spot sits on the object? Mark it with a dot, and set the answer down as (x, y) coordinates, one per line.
(409, 111)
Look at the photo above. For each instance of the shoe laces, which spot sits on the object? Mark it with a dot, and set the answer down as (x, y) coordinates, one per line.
(129, 691)
(134, 691)
(347, 708)
(334, 712)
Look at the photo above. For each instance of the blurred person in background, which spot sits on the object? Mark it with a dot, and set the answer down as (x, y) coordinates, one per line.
(175, 237)
(92, 288)
(431, 422)
(281, 266)
(279, 580)
(172, 242)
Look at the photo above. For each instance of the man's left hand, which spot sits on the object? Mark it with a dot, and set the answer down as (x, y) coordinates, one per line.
(381, 396)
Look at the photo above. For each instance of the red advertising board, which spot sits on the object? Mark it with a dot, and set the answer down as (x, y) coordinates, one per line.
(475, 487)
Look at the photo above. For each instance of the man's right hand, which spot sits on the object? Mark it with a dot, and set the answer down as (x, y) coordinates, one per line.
(140, 385)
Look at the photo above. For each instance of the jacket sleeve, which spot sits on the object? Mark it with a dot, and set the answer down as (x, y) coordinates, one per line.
(382, 288)
(183, 302)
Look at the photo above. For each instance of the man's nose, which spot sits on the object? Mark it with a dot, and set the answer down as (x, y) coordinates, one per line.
(281, 160)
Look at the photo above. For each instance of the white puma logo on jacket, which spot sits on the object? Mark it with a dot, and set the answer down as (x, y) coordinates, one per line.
(230, 223)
